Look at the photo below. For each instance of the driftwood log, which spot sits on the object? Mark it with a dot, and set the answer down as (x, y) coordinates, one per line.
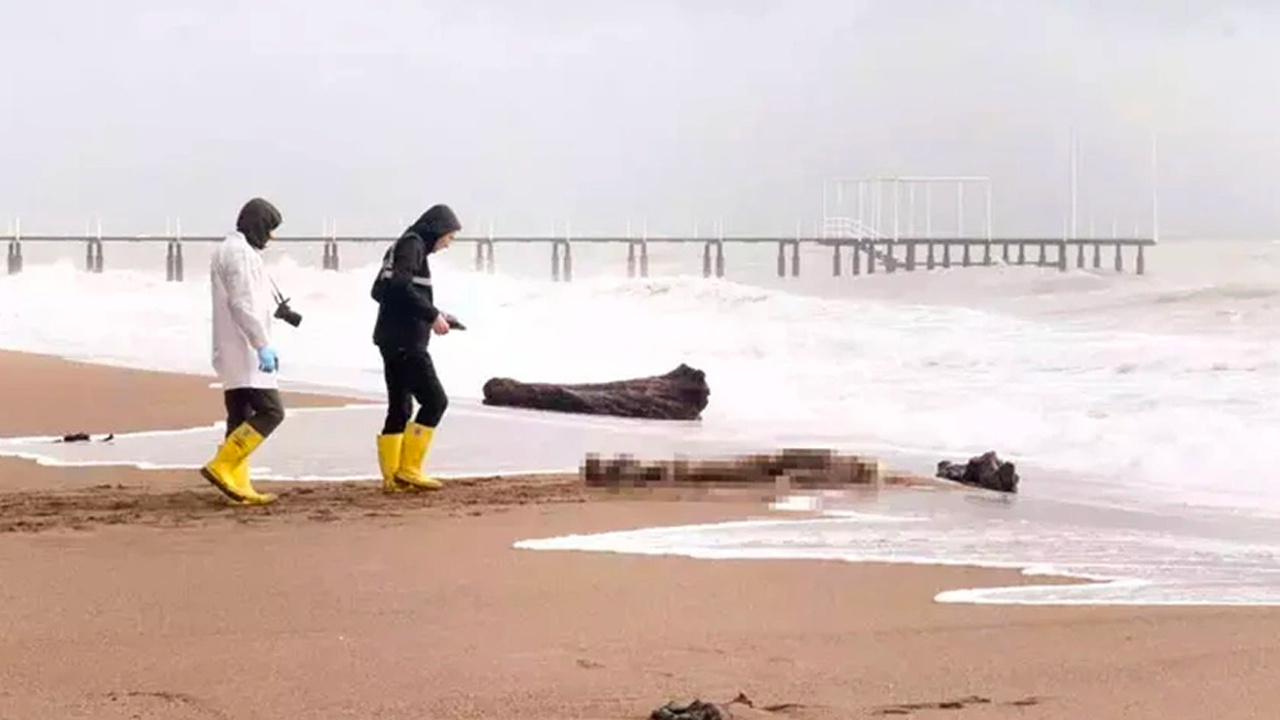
(679, 395)
(985, 471)
(802, 468)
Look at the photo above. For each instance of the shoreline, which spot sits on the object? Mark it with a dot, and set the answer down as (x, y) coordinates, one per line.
(136, 593)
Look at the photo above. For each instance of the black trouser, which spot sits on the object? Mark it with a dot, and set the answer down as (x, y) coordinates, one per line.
(260, 407)
(410, 375)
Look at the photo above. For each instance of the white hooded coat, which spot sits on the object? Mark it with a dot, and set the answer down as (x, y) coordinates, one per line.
(243, 306)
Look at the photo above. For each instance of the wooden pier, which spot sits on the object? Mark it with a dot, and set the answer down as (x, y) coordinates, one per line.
(858, 255)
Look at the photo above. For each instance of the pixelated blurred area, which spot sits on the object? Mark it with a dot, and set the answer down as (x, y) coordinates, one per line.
(784, 470)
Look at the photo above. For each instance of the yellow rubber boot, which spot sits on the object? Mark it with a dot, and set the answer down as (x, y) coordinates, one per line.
(389, 447)
(413, 453)
(229, 468)
(246, 487)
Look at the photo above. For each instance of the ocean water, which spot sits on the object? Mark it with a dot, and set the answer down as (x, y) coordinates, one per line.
(1127, 401)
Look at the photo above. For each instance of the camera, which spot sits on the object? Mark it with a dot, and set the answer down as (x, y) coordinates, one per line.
(287, 314)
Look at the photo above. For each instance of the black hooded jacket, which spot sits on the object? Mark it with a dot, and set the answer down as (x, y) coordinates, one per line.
(406, 303)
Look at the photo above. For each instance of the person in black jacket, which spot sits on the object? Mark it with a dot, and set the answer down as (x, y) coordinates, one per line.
(407, 315)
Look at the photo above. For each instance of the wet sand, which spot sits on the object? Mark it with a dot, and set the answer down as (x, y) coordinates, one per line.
(132, 594)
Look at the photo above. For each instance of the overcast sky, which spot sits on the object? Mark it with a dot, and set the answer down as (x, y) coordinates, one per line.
(533, 112)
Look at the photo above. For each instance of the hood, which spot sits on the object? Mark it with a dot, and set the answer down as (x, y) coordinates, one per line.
(437, 221)
(258, 218)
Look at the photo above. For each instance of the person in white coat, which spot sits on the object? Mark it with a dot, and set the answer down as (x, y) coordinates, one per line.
(243, 358)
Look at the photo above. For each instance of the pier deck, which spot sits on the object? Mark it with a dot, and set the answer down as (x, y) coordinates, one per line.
(869, 255)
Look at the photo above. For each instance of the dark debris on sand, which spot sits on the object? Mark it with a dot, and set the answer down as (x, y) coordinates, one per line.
(681, 394)
(985, 471)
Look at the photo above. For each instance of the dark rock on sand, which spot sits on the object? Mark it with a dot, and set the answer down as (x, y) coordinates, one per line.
(696, 710)
(679, 395)
(739, 708)
(985, 471)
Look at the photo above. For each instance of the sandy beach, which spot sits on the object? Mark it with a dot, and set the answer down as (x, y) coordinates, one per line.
(140, 594)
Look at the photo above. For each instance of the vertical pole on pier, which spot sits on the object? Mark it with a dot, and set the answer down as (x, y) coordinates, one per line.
(326, 263)
(1155, 193)
(333, 245)
(877, 212)
(782, 258)
(644, 249)
(14, 255)
(857, 257)
(911, 255)
(1074, 183)
(897, 192)
(1097, 256)
(795, 252)
(484, 251)
(929, 262)
(835, 259)
(986, 253)
(1080, 255)
(861, 207)
(911, 210)
(95, 260)
(555, 259)
(1142, 260)
(720, 250)
(1119, 257)
(488, 252)
(1062, 256)
(173, 270)
(1043, 259)
(333, 239)
(631, 252)
(928, 211)
(706, 259)
(568, 253)
(179, 264)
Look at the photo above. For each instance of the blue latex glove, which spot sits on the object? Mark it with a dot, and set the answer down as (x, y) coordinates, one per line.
(267, 360)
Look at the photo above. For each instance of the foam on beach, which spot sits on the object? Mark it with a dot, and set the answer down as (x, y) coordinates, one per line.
(1096, 560)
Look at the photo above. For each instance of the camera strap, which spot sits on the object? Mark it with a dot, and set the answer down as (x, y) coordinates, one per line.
(275, 291)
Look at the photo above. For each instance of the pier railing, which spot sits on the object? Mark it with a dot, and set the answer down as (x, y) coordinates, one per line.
(867, 251)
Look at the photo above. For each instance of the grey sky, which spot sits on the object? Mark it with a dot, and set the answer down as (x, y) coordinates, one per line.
(531, 113)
